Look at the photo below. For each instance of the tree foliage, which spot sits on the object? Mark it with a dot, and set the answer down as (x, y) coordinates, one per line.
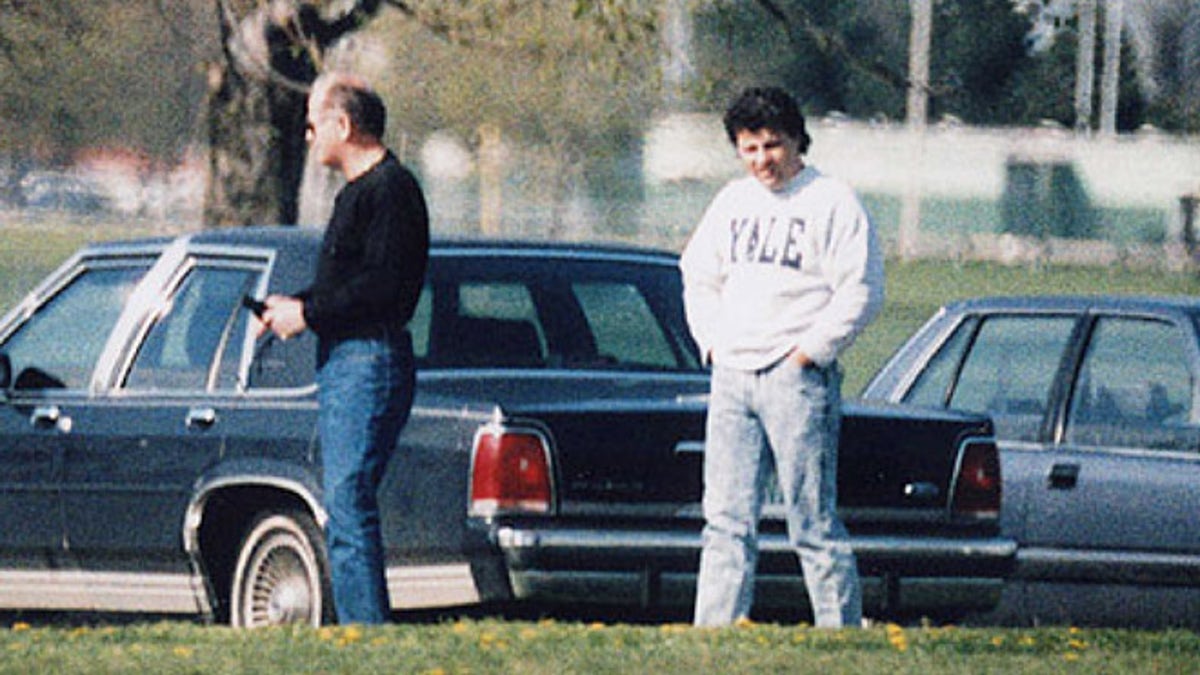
(85, 73)
(577, 80)
(850, 56)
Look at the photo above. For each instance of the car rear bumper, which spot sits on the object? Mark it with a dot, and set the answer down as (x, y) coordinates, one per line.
(900, 575)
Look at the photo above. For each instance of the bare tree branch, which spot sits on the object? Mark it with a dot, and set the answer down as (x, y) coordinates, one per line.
(833, 46)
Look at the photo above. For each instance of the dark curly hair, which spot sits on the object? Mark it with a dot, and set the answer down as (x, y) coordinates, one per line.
(766, 108)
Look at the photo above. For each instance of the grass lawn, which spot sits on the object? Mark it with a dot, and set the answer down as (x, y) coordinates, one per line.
(486, 646)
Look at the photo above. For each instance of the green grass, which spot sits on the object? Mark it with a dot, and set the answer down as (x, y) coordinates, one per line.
(550, 647)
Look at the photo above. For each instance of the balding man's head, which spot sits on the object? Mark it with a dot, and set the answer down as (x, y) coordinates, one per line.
(352, 95)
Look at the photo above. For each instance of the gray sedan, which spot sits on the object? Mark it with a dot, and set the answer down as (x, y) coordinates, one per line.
(1094, 400)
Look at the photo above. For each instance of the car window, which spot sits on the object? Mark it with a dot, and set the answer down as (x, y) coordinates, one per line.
(419, 325)
(1009, 370)
(932, 387)
(623, 325)
(496, 325)
(523, 312)
(196, 343)
(1134, 388)
(59, 345)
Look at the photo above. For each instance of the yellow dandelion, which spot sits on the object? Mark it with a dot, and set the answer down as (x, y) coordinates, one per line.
(1071, 656)
(325, 633)
(1077, 644)
(436, 671)
(460, 627)
(1074, 630)
(20, 626)
(674, 628)
(799, 637)
(1027, 641)
(379, 641)
(183, 652)
(744, 622)
(998, 641)
(596, 625)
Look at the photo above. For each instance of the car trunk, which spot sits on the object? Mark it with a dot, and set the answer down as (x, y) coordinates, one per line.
(633, 450)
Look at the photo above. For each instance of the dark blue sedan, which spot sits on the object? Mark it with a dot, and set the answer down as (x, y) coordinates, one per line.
(155, 456)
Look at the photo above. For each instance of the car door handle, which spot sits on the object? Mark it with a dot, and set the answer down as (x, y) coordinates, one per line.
(47, 416)
(201, 418)
(1063, 476)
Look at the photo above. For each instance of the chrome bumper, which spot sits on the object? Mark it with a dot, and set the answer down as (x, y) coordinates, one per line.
(943, 575)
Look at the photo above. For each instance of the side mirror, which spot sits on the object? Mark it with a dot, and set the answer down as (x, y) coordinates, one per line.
(5, 373)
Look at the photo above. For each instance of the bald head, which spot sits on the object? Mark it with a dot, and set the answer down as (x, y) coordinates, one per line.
(350, 94)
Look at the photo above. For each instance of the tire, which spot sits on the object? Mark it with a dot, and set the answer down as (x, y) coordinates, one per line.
(282, 574)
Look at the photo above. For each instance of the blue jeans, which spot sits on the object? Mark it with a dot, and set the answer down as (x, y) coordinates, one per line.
(364, 392)
(787, 416)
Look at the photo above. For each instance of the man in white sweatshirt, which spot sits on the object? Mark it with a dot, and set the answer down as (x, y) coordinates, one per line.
(783, 271)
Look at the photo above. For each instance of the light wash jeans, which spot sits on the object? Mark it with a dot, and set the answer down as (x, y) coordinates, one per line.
(364, 393)
(791, 416)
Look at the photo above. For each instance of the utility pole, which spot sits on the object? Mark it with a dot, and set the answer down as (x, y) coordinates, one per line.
(1085, 67)
(919, 39)
(1110, 76)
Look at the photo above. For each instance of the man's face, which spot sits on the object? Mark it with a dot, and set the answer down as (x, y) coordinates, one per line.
(322, 130)
(770, 156)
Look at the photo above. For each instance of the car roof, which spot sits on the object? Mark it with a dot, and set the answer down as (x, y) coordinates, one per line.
(1077, 303)
(294, 238)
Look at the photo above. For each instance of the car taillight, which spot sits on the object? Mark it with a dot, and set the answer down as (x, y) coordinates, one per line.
(510, 472)
(977, 485)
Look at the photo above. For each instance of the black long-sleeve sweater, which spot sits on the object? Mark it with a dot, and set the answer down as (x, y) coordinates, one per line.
(373, 256)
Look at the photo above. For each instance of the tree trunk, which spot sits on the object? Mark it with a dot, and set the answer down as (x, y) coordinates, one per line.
(256, 106)
(1110, 75)
(1085, 67)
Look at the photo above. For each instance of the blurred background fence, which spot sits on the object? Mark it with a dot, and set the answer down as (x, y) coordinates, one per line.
(1013, 195)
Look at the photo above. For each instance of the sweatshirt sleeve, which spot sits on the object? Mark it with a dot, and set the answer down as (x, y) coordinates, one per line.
(703, 272)
(854, 264)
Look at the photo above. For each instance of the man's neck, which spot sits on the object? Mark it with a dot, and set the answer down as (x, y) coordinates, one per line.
(361, 159)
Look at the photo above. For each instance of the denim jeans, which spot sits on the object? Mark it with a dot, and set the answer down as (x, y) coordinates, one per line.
(364, 392)
(787, 416)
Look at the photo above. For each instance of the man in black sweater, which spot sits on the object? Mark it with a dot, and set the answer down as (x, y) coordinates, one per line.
(368, 280)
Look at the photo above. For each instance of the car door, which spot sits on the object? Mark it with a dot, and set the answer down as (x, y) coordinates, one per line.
(1114, 503)
(137, 450)
(53, 349)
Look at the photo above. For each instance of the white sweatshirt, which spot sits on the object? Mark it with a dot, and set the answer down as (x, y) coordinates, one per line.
(768, 272)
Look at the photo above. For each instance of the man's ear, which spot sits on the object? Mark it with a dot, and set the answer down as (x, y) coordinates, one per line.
(344, 128)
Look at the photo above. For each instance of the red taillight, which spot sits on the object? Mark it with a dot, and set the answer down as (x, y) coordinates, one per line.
(977, 486)
(510, 473)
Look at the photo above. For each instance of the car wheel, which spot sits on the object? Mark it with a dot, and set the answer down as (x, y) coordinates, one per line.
(282, 574)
